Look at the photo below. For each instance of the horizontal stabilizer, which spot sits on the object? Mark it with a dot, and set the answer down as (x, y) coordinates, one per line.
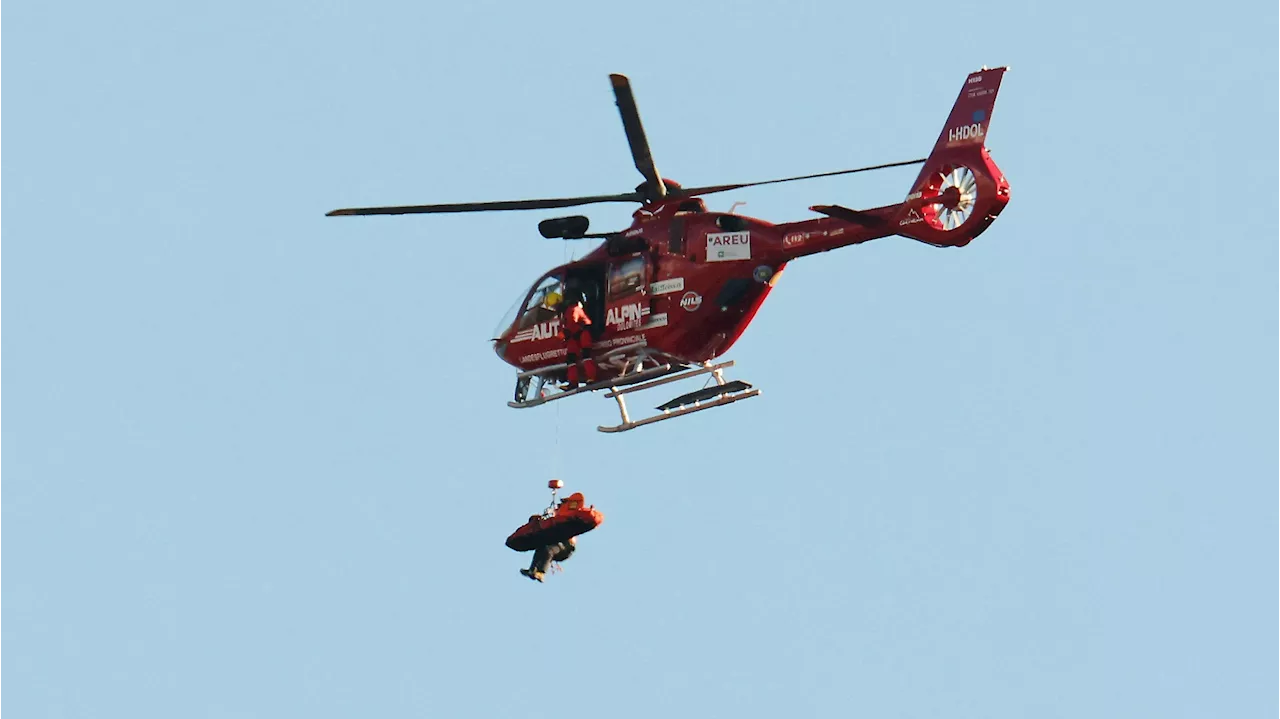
(844, 213)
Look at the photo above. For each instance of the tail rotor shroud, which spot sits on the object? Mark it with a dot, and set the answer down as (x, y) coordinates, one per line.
(958, 186)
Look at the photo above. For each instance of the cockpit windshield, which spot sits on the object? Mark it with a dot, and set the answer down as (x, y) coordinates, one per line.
(535, 309)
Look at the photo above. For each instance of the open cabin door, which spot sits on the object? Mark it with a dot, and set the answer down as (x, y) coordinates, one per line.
(589, 281)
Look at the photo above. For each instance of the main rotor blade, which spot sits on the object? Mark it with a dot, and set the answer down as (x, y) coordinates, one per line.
(711, 189)
(654, 187)
(488, 206)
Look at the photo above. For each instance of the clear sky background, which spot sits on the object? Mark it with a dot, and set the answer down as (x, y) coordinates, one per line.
(258, 462)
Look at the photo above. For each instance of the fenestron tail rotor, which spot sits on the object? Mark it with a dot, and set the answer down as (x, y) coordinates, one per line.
(959, 185)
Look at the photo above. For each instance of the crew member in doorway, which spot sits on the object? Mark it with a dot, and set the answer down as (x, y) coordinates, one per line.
(574, 325)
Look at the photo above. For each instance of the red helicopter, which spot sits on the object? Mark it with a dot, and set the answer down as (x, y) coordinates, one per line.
(675, 291)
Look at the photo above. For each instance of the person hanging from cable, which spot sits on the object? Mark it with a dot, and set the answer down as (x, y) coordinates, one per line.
(548, 558)
(574, 327)
(553, 535)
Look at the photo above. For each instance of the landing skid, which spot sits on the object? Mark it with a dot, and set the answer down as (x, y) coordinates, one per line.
(717, 395)
(632, 378)
(635, 377)
(636, 374)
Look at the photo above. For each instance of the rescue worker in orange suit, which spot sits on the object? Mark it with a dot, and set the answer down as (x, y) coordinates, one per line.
(544, 556)
(574, 325)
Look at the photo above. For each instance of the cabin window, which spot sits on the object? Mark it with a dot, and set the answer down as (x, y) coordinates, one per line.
(675, 242)
(626, 277)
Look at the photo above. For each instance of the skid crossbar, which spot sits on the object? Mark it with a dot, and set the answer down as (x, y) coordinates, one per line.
(716, 371)
(621, 379)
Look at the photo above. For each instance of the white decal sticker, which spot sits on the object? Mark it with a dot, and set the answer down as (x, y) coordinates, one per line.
(795, 239)
(540, 331)
(965, 133)
(667, 286)
(911, 218)
(691, 301)
(620, 341)
(626, 317)
(727, 246)
(540, 356)
(658, 320)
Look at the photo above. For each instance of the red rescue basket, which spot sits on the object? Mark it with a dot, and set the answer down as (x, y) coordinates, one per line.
(571, 518)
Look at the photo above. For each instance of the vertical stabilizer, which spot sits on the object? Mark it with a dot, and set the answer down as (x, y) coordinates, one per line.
(960, 190)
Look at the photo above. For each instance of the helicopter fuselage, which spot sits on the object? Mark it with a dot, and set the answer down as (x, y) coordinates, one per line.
(687, 282)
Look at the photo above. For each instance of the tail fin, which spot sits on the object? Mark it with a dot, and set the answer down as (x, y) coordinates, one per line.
(960, 191)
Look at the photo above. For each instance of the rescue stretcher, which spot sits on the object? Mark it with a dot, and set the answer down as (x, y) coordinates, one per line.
(635, 376)
(568, 519)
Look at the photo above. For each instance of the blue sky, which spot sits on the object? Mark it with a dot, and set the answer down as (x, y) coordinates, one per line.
(257, 462)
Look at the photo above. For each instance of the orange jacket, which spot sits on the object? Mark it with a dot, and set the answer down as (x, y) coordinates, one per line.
(575, 321)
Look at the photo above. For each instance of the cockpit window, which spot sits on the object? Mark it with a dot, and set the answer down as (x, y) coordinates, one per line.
(508, 317)
(544, 288)
(536, 309)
